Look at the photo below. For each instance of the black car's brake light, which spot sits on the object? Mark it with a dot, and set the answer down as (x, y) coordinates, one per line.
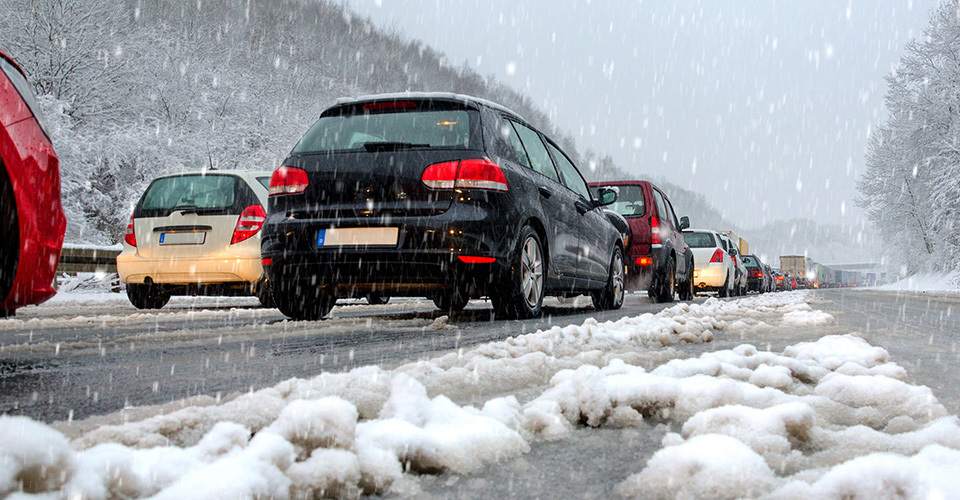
(288, 180)
(465, 174)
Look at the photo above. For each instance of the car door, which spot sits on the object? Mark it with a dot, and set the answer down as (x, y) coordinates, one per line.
(561, 218)
(593, 250)
(676, 236)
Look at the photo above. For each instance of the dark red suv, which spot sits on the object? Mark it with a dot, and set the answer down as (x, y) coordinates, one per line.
(31, 217)
(658, 259)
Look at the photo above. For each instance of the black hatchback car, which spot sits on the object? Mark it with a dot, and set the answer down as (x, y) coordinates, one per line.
(439, 195)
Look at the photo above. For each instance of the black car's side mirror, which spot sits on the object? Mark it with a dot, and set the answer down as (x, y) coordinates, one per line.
(684, 222)
(606, 196)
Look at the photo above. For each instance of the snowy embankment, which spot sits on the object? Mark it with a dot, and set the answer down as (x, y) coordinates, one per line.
(832, 418)
(927, 282)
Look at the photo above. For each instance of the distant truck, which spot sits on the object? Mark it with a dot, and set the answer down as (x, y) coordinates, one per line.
(799, 267)
(742, 244)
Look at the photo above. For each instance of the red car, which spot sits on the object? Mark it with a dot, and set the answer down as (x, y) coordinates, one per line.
(31, 217)
(657, 256)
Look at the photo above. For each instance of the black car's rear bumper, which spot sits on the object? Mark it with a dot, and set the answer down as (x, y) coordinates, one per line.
(425, 259)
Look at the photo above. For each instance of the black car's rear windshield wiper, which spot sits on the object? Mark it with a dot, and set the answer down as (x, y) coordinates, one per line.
(391, 146)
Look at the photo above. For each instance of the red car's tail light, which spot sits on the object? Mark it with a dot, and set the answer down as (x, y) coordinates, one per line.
(288, 180)
(465, 174)
(466, 259)
(654, 231)
(644, 261)
(251, 220)
(717, 256)
(130, 237)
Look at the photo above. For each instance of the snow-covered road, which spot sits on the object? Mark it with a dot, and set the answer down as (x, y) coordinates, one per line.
(762, 396)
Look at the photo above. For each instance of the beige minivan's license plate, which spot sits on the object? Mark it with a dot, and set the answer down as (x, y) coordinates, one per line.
(357, 236)
(183, 238)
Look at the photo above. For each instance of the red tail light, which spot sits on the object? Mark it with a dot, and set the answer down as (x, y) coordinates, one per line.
(266, 262)
(644, 261)
(251, 220)
(756, 274)
(130, 237)
(717, 256)
(465, 174)
(779, 278)
(466, 259)
(288, 180)
(655, 231)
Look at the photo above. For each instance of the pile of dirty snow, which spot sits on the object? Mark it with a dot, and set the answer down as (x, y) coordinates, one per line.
(820, 419)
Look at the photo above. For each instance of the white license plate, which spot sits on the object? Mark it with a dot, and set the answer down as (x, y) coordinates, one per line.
(183, 238)
(358, 236)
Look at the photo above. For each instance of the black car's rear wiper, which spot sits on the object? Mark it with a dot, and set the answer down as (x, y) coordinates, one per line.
(391, 146)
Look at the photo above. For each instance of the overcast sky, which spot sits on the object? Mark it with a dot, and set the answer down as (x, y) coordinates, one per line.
(763, 106)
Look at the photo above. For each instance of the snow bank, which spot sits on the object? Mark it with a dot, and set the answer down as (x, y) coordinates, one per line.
(927, 282)
(750, 423)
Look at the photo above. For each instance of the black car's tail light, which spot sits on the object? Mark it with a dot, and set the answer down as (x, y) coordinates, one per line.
(465, 174)
(288, 180)
(250, 221)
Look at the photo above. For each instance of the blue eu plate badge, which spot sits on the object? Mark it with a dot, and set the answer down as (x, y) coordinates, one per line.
(320, 237)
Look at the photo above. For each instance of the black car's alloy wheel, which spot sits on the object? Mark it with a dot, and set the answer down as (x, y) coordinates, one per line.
(611, 296)
(522, 294)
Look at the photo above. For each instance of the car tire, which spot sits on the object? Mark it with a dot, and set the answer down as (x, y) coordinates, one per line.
(377, 299)
(611, 295)
(453, 301)
(725, 291)
(303, 303)
(667, 284)
(10, 229)
(147, 296)
(523, 287)
(265, 295)
(687, 292)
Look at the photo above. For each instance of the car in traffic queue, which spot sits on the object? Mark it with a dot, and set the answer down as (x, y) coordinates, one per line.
(435, 195)
(740, 271)
(657, 256)
(196, 233)
(756, 274)
(714, 267)
(32, 223)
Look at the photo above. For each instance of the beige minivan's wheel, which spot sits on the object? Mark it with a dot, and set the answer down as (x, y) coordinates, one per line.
(147, 296)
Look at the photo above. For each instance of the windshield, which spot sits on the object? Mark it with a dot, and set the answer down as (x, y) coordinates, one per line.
(629, 200)
(700, 240)
(391, 130)
(190, 192)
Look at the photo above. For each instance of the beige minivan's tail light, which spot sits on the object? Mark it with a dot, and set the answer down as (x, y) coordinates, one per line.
(251, 220)
(130, 237)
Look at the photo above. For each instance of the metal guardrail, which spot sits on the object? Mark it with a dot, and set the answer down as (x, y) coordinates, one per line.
(85, 259)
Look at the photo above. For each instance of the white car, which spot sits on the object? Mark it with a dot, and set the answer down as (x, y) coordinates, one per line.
(196, 233)
(740, 270)
(714, 265)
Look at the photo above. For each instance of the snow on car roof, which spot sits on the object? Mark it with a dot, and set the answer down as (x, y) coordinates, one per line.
(427, 95)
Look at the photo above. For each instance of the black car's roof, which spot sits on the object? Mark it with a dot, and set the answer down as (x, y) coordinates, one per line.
(432, 96)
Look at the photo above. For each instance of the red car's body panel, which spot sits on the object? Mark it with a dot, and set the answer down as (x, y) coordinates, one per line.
(33, 169)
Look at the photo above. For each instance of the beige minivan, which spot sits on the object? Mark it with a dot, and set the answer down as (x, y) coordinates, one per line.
(196, 233)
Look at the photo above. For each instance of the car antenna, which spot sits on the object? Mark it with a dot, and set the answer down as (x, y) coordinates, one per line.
(210, 158)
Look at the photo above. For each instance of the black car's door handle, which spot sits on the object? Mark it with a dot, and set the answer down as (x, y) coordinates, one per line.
(582, 207)
(546, 193)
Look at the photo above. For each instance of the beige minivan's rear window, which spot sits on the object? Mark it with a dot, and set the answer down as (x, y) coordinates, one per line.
(190, 192)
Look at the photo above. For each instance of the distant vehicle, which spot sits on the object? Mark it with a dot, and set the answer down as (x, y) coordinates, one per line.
(799, 267)
(756, 275)
(32, 223)
(714, 267)
(740, 283)
(195, 234)
(658, 259)
(778, 280)
(439, 195)
(769, 280)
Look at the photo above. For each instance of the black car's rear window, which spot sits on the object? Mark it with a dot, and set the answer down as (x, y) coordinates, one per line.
(750, 261)
(700, 240)
(629, 200)
(381, 126)
(190, 191)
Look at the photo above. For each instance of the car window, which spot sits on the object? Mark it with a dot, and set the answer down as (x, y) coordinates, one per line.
(539, 157)
(699, 240)
(23, 88)
(661, 208)
(571, 176)
(630, 202)
(750, 261)
(190, 192)
(510, 135)
(265, 181)
(673, 215)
